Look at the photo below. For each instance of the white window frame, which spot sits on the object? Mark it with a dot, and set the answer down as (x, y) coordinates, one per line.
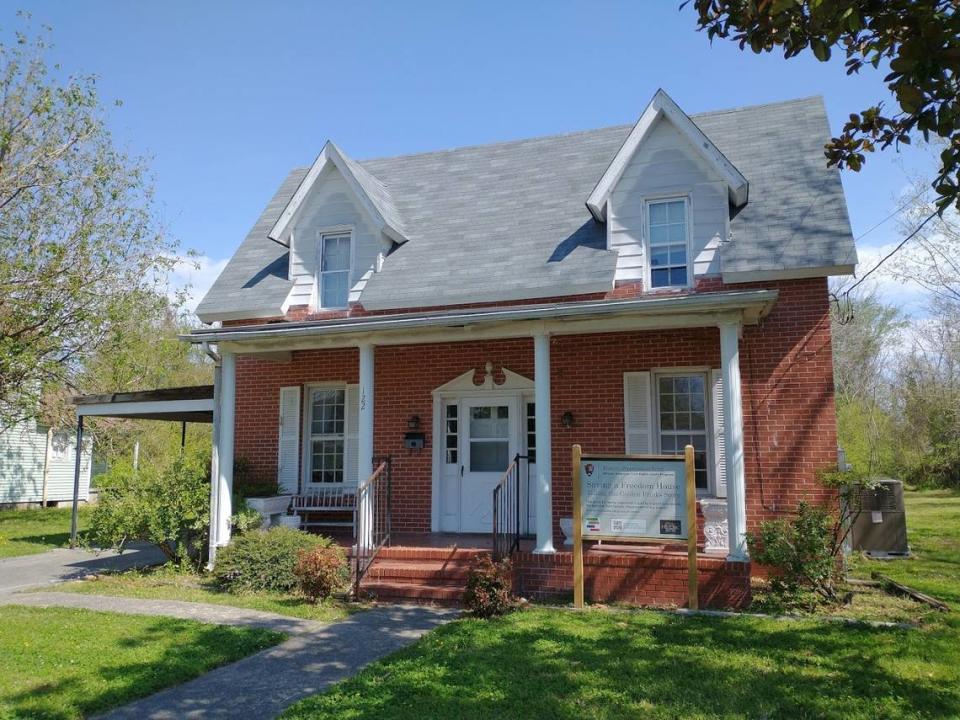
(647, 253)
(322, 234)
(704, 372)
(309, 437)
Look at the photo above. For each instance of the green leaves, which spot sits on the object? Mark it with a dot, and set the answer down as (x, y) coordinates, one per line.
(919, 40)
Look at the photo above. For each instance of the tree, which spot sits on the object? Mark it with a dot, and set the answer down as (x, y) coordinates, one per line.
(78, 238)
(865, 345)
(919, 41)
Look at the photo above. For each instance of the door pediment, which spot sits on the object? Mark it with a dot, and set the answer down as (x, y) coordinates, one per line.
(465, 383)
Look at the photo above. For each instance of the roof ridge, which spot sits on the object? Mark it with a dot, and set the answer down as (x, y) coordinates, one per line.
(571, 133)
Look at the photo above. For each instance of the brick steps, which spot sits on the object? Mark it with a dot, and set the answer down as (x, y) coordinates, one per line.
(435, 575)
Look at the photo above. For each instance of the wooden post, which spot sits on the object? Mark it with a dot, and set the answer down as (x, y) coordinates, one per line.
(577, 531)
(691, 494)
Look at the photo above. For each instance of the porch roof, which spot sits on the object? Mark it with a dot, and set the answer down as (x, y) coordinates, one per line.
(182, 404)
(692, 310)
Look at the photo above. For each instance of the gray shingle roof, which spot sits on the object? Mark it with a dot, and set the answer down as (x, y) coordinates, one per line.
(508, 221)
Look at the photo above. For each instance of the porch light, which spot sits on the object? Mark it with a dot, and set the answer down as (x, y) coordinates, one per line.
(567, 419)
(413, 423)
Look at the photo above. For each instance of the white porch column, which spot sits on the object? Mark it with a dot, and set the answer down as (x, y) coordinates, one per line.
(365, 441)
(541, 370)
(215, 466)
(733, 432)
(227, 392)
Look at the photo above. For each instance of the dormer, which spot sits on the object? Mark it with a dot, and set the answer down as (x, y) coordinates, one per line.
(666, 199)
(339, 224)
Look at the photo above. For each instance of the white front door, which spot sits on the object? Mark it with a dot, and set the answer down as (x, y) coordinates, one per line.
(488, 441)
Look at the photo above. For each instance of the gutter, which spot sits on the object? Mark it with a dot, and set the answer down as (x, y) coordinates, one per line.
(761, 301)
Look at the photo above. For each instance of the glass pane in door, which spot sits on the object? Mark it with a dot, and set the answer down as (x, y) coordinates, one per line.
(489, 438)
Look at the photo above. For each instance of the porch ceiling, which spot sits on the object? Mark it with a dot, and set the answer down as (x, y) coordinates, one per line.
(648, 313)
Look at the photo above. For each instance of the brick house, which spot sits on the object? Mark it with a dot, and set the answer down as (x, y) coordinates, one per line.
(632, 289)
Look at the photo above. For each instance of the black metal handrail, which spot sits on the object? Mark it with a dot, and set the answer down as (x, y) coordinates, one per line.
(506, 511)
(371, 520)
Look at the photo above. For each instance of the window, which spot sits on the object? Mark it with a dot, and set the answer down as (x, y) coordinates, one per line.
(327, 424)
(334, 276)
(450, 434)
(682, 415)
(667, 233)
(489, 438)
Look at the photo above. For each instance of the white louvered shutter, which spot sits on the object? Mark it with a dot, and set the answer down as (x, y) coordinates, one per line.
(719, 436)
(350, 439)
(637, 417)
(288, 451)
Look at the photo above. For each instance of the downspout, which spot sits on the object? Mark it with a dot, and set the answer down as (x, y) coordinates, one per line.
(214, 454)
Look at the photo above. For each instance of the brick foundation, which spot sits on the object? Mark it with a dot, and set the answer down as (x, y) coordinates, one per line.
(649, 579)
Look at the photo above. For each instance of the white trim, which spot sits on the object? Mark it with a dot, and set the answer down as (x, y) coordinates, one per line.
(786, 274)
(663, 105)
(463, 384)
(648, 254)
(330, 154)
(145, 408)
(690, 310)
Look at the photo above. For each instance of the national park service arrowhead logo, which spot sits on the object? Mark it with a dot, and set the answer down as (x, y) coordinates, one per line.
(588, 469)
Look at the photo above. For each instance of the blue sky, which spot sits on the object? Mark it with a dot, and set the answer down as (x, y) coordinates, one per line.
(226, 97)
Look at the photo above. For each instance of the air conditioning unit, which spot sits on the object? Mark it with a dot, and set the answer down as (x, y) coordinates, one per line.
(880, 530)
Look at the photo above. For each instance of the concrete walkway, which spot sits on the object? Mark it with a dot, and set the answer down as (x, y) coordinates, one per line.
(55, 566)
(259, 687)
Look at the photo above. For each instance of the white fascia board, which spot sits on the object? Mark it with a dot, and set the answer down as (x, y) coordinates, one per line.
(151, 407)
(800, 273)
(663, 105)
(698, 310)
(214, 316)
(330, 154)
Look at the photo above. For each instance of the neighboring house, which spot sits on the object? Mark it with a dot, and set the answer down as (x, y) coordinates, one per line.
(632, 289)
(37, 465)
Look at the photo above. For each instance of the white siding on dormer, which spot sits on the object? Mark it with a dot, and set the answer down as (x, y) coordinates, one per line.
(665, 164)
(331, 206)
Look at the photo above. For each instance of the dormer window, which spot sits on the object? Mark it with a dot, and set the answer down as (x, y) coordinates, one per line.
(334, 277)
(668, 243)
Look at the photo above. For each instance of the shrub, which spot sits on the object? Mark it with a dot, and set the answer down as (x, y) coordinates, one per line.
(244, 518)
(321, 570)
(248, 483)
(938, 468)
(801, 553)
(165, 506)
(489, 588)
(262, 560)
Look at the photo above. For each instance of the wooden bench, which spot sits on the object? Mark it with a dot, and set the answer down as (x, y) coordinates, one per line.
(333, 501)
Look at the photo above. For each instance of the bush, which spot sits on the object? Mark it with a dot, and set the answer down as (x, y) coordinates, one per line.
(802, 554)
(321, 570)
(938, 468)
(247, 483)
(244, 518)
(165, 506)
(262, 560)
(489, 588)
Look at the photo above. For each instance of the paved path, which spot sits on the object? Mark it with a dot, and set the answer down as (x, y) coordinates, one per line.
(261, 686)
(55, 566)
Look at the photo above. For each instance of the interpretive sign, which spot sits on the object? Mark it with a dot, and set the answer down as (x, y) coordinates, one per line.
(634, 497)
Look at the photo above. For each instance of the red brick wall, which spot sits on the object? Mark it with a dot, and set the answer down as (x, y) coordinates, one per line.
(636, 579)
(786, 367)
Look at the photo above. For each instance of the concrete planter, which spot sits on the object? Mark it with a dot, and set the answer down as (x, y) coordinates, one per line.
(270, 508)
(290, 521)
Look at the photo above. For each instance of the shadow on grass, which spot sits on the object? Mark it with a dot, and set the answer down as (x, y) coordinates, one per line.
(165, 652)
(559, 665)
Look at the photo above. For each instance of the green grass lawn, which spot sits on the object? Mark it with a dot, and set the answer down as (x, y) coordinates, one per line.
(166, 584)
(551, 663)
(25, 532)
(60, 663)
